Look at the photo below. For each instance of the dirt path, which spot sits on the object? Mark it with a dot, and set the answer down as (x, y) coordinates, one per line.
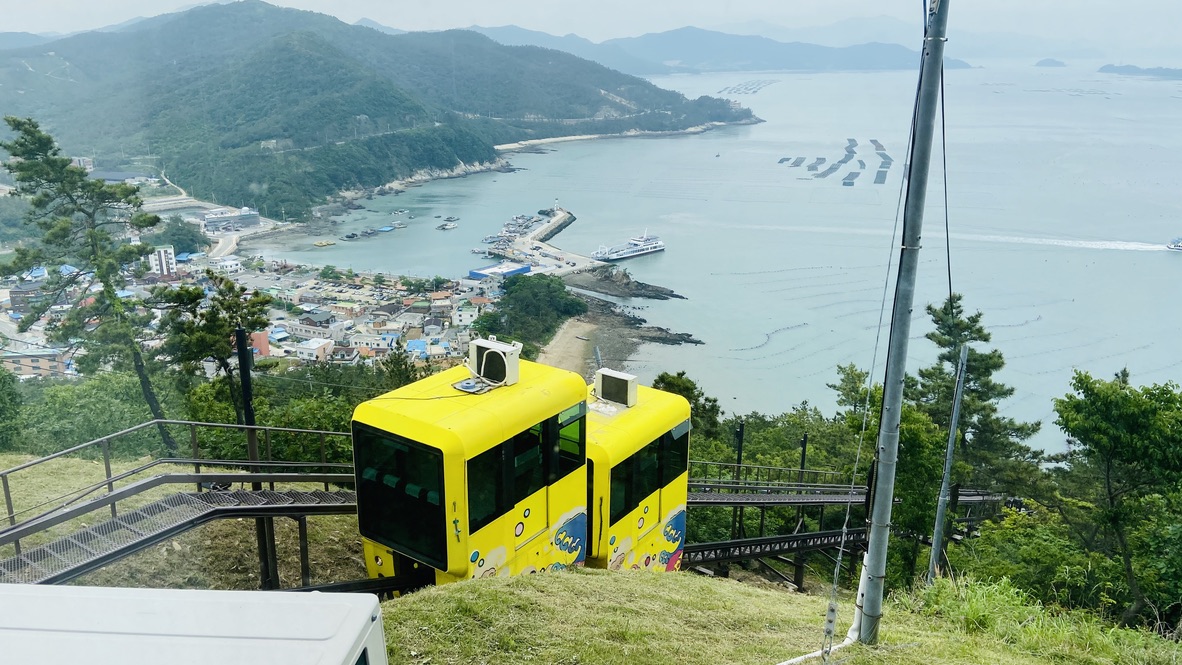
(566, 350)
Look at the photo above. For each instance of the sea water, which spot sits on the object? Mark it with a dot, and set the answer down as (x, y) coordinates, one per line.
(1061, 197)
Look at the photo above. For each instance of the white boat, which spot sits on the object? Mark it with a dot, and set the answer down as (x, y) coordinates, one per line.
(447, 226)
(640, 245)
(1176, 244)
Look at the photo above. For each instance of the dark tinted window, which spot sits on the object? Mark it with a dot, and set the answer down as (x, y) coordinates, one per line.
(572, 440)
(649, 469)
(529, 474)
(675, 453)
(363, 659)
(400, 494)
(621, 490)
(486, 493)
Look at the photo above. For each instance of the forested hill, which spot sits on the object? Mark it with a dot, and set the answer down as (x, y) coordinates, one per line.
(257, 105)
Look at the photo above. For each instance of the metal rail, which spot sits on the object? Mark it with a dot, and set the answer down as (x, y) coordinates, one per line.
(755, 548)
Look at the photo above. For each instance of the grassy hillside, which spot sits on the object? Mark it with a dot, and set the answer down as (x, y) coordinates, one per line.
(586, 616)
(611, 617)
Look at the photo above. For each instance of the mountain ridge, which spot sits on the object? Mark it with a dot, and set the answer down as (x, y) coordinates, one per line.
(251, 104)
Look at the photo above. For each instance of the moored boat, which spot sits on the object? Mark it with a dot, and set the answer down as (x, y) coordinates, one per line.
(350, 236)
(447, 226)
(323, 243)
(385, 229)
(637, 246)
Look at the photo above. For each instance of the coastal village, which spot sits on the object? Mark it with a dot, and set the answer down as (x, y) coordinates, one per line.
(319, 315)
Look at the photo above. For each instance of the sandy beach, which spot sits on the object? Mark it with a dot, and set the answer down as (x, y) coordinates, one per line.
(567, 351)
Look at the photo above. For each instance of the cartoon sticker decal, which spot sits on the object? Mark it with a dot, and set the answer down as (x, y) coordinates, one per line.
(570, 538)
(673, 539)
(491, 564)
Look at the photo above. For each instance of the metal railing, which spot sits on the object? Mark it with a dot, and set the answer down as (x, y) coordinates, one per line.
(736, 477)
(109, 447)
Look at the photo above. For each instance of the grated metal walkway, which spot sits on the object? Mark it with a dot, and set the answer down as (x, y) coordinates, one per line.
(90, 548)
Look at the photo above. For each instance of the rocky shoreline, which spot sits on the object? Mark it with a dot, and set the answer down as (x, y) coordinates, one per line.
(618, 334)
(612, 280)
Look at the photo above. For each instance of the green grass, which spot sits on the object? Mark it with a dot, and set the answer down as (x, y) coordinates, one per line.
(598, 617)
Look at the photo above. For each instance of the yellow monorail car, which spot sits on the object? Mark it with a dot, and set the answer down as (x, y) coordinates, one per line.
(638, 458)
(483, 470)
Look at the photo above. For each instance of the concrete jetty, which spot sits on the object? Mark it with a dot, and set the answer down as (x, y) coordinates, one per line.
(533, 249)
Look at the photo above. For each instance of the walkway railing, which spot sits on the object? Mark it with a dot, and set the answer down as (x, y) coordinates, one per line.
(308, 445)
(756, 477)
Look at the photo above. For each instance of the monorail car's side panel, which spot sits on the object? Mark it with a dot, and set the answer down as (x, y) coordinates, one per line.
(639, 461)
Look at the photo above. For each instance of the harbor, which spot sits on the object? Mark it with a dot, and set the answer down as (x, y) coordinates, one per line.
(525, 240)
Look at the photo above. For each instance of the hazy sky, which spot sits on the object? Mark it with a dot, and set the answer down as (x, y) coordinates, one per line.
(1105, 22)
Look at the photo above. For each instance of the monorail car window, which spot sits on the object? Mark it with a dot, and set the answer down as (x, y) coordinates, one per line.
(529, 475)
(675, 444)
(486, 489)
(514, 470)
(649, 469)
(572, 440)
(400, 494)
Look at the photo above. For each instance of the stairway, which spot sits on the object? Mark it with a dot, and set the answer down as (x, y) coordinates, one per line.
(94, 546)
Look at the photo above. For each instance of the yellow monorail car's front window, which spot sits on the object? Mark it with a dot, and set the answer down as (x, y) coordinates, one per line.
(400, 496)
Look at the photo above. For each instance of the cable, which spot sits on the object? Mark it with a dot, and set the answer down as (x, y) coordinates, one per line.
(944, 157)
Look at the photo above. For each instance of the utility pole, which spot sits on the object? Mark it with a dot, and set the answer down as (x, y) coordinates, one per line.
(264, 526)
(942, 505)
(869, 609)
(737, 528)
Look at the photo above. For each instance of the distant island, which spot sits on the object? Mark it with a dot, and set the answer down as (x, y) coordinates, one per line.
(1050, 62)
(1130, 70)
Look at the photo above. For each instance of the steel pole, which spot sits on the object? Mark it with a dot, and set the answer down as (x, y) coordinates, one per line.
(874, 569)
(942, 505)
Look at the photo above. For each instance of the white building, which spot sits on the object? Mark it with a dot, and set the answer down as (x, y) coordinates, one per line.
(336, 331)
(163, 261)
(314, 350)
(464, 316)
(227, 265)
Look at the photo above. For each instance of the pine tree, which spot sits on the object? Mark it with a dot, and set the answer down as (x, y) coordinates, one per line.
(83, 225)
(991, 445)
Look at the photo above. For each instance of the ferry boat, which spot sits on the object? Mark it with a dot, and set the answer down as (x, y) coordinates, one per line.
(1176, 244)
(447, 226)
(637, 246)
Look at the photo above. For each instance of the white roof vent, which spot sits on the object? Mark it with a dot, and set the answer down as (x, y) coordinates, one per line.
(614, 386)
(494, 363)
